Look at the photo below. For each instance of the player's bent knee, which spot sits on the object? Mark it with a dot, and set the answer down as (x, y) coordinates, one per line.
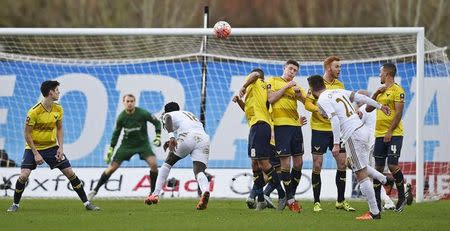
(109, 171)
(23, 179)
(393, 168)
(154, 168)
(25, 173)
(153, 165)
(264, 164)
(255, 164)
(198, 167)
(317, 167)
(361, 174)
(172, 159)
(67, 172)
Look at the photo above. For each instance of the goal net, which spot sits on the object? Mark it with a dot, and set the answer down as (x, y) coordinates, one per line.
(96, 69)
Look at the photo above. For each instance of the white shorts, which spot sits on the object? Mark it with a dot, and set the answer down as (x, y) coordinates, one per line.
(357, 148)
(196, 144)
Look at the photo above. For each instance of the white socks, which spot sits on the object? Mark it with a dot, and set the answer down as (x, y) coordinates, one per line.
(163, 173)
(202, 181)
(376, 175)
(367, 190)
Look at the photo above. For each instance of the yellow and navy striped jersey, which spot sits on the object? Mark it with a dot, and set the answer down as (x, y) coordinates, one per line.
(318, 122)
(256, 105)
(44, 125)
(393, 94)
(284, 110)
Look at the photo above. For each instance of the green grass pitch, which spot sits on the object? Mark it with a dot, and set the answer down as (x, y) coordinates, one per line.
(222, 214)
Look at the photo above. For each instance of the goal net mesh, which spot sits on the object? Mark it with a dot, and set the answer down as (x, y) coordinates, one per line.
(96, 71)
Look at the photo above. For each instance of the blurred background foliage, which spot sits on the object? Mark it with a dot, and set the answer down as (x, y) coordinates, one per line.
(434, 15)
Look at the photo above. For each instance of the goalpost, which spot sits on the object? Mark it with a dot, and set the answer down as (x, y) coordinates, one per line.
(96, 66)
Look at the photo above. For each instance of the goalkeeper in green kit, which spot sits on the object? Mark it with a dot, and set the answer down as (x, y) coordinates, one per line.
(133, 121)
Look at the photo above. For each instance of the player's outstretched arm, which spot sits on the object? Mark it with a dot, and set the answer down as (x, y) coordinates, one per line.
(239, 101)
(157, 124)
(370, 102)
(116, 133)
(370, 108)
(155, 121)
(360, 98)
(115, 136)
(252, 77)
(300, 94)
(309, 103)
(168, 125)
(274, 96)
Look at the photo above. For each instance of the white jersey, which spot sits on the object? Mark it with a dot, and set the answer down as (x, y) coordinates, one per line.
(184, 121)
(191, 136)
(336, 102)
(369, 119)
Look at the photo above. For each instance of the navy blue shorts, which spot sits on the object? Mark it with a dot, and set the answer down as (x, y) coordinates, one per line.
(288, 140)
(390, 150)
(49, 157)
(321, 140)
(274, 158)
(259, 141)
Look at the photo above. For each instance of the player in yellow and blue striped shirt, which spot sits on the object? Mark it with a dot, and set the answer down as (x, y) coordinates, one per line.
(44, 138)
(322, 139)
(258, 118)
(389, 134)
(283, 95)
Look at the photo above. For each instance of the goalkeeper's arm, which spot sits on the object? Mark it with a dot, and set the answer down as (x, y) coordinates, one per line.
(116, 133)
(155, 121)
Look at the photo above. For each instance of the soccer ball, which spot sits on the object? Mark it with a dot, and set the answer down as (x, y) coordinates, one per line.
(222, 29)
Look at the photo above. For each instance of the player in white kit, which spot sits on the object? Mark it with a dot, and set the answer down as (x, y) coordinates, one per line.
(369, 120)
(187, 136)
(346, 126)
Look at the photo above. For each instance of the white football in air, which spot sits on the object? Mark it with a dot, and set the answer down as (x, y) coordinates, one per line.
(222, 29)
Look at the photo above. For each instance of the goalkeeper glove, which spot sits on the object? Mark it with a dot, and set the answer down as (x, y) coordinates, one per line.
(157, 140)
(109, 155)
